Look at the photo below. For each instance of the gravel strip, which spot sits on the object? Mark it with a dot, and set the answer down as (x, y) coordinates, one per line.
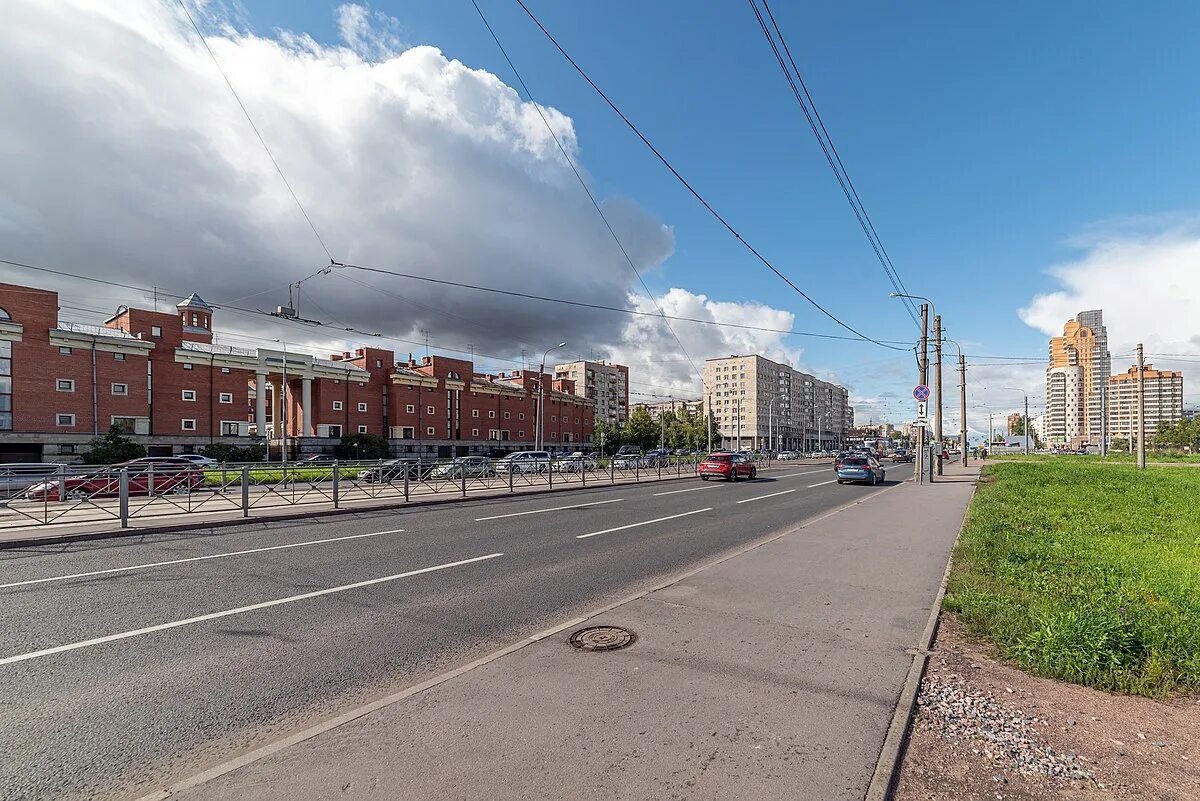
(953, 709)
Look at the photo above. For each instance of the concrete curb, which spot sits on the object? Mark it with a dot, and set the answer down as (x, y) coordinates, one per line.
(891, 756)
(167, 528)
(296, 738)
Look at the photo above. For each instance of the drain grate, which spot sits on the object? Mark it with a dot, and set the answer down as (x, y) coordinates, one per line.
(603, 638)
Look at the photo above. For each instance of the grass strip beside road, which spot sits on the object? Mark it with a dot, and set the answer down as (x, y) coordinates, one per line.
(1086, 572)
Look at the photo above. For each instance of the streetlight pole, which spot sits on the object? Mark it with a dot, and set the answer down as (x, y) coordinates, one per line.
(541, 416)
(771, 426)
(962, 399)
(923, 365)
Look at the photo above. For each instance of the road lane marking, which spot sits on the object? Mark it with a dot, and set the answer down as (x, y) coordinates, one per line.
(793, 475)
(643, 523)
(675, 492)
(58, 649)
(539, 511)
(761, 497)
(195, 559)
(823, 483)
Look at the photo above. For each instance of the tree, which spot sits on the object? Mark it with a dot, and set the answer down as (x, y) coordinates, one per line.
(640, 429)
(1118, 444)
(113, 447)
(364, 446)
(606, 436)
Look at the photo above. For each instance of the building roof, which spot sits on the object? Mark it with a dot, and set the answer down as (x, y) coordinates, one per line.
(193, 301)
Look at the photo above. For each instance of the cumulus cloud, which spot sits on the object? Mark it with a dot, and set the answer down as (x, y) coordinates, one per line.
(130, 159)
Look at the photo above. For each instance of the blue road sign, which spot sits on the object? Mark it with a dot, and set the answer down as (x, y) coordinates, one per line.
(921, 392)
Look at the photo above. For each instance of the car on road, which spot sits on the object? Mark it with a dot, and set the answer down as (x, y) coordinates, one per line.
(468, 466)
(860, 468)
(525, 462)
(149, 475)
(788, 456)
(731, 466)
(578, 462)
(394, 469)
(902, 455)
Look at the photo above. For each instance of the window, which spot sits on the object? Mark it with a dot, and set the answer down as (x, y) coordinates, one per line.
(225, 397)
(230, 428)
(187, 367)
(362, 429)
(406, 432)
(156, 330)
(431, 431)
(189, 394)
(65, 385)
(474, 432)
(64, 351)
(362, 407)
(67, 450)
(119, 357)
(554, 418)
(430, 410)
(410, 408)
(126, 425)
(120, 389)
(379, 362)
(188, 424)
(335, 432)
(337, 406)
(225, 370)
(65, 420)
(521, 433)
(521, 415)
(553, 435)
(506, 415)
(492, 413)
(5, 385)
(474, 412)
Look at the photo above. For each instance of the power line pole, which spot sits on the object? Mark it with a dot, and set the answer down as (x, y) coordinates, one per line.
(923, 368)
(937, 378)
(1104, 418)
(962, 405)
(1141, 408)
(1028, 436)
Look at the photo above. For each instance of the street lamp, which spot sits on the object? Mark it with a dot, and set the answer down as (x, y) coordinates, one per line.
(541, 422)
(962, 398)
(1026, 426)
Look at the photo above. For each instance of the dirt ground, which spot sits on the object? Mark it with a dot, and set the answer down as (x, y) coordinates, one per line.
(985, 730)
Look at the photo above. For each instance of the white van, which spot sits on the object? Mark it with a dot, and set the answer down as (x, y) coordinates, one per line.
(524, 462)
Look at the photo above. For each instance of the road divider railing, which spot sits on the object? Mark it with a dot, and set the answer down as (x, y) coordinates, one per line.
(61, 494)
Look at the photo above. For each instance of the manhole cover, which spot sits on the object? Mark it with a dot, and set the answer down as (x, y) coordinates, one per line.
(603, 638)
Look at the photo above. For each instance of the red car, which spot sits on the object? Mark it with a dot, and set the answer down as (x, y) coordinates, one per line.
(169, 475)
(727, 465)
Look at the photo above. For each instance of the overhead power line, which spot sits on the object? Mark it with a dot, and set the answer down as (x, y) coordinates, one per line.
(830, 150)
(250, 120)
(694, 192)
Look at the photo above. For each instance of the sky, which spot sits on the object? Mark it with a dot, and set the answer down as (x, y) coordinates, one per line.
(1020, 163)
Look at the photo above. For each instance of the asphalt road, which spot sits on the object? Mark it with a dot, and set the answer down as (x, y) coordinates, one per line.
(175, 652)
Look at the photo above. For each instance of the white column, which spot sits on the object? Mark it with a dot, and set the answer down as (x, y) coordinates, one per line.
(306, 406)
(260, 403)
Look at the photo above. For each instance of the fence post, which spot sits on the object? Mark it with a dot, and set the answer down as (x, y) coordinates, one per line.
(462, 474)
(224, 478)
(336, 473)
(612, 471)
(510, 477)
(550, 473)
(245, 491)
(149, 479)
(62, 483)
(637, 469)
(123, 484)
(583, 471)
(406, 470)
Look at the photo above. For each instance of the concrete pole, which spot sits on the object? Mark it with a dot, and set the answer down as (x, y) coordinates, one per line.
(260, 403)
(923, 370)
(1028, 436)
(962, 406)
(937, 380)
(1141, 408)
(306, 429)
(738, 425)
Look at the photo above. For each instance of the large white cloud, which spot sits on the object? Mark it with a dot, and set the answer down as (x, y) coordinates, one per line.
(126, 156)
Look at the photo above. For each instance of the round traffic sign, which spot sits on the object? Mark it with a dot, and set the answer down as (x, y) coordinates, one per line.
(921, 392)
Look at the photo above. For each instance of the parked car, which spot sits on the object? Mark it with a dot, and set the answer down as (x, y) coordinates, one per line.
(788, 456)
(629, 450)
(469, 466)
(731, 466)
(577, 462)
(17, 477)
(658, 456)
(394, 469)
(199, 459)
(861, 469)
(902, 455)
(525, 462)
(148, 475)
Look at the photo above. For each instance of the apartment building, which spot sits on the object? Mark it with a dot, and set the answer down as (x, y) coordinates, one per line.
(1014, 422)
(1163, 398)
(754, 399)
(160, 377)
(684, 409)
(1076, 380)
(604, 383)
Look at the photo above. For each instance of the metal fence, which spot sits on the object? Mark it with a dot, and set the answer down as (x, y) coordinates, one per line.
(41, 495)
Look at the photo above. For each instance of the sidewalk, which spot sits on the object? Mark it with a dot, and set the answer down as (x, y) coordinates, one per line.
(772, 674)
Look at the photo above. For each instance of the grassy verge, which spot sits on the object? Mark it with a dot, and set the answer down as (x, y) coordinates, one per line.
(1112, 456)
(1087, 572)
(213, 476)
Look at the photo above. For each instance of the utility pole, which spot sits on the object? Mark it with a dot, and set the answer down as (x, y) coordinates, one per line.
(1104, 418)
(1141, 408)
(923, 368)
(1028, 436)
(962, 405)
(937, 379)
(708, 421)
(738, 424)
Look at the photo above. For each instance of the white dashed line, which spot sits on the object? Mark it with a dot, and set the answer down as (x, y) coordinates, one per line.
(823, 483)
(676, 492)
(539, 511)
(761, 497)
(643, 523)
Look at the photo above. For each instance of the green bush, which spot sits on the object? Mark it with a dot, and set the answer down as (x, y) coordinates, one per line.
(113, 447)
(364, 446)
(224, 452)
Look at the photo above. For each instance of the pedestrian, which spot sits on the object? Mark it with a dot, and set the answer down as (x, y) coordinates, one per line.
(983, 454)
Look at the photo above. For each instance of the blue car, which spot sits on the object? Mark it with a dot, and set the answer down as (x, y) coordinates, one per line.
(860, 467)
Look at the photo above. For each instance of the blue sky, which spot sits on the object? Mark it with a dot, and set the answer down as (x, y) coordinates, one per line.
(982, 139)
(1020, 163)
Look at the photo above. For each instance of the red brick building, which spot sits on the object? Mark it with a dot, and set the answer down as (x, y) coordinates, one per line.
(160, 377)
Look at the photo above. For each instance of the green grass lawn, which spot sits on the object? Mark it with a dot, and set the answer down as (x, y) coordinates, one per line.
(1112, 456)
(272, 475)
(1085, 571)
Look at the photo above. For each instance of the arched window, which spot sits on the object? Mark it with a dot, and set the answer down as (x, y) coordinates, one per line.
(4, 315)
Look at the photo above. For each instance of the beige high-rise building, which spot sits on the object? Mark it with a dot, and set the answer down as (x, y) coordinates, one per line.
(604, 382)
(754, 399)
(1164, 401)
(683, 409)
(1077, 380)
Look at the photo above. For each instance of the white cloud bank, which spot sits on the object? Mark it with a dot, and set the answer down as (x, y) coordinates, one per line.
(125, 156)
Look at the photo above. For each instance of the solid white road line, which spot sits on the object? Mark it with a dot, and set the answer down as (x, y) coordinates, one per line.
(809, 473)
(760, 497)
(643, 523)
(539, 511)
(823, 483)
(196, 559)
(676, 492)
(8, 660)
